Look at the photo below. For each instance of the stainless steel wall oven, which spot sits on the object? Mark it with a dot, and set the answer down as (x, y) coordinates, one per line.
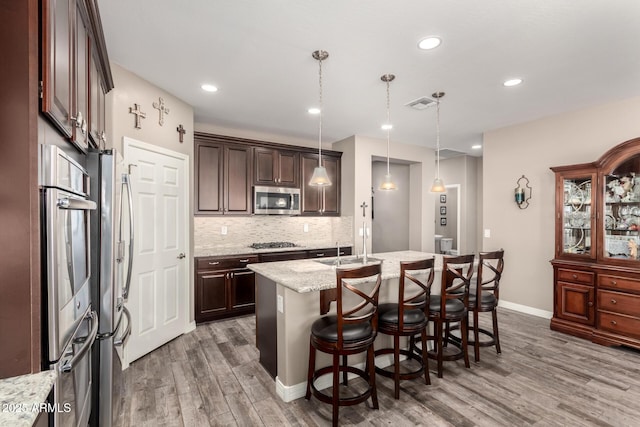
(70, 324)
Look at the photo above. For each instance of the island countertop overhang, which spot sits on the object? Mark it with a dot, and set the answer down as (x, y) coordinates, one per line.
(309, 275)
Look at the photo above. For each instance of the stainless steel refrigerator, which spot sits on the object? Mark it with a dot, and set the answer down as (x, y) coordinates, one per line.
(111, 259)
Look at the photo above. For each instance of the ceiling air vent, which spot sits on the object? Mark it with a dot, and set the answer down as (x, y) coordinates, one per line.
(421, 103)
(445, 153)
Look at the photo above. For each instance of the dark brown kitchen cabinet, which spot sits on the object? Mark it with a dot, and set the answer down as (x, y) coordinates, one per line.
(223, 177)
(597, 234)
(97, 95)
(276, 167)
(74, 60)
(320, 200)
(224, 287)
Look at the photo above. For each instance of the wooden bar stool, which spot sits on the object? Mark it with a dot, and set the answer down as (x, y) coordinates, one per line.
(406, 318)
(451, 307)
(484, 297)
(352, 330)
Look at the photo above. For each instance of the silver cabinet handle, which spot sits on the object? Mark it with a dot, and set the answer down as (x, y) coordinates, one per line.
(87, 342)
(320, 254)
(214, 263)
(182, 255)
(244, 260)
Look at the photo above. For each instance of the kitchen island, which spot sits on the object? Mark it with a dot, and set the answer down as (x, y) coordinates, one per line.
(288, 302)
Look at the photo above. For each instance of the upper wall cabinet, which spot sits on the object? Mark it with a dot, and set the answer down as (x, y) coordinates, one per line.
(321, 200)
(276, 167)
(226, 167)
(74, 67)
(223, 177)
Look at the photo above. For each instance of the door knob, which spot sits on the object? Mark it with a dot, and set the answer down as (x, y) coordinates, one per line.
(182, 255)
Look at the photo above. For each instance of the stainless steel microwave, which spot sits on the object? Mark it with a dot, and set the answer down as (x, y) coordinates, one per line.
(276, 200)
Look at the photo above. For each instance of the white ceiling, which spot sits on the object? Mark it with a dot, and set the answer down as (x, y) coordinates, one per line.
(571, 54)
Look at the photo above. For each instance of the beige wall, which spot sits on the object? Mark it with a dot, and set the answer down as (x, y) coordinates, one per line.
(358, 152)
(530, 149)
(130, 89)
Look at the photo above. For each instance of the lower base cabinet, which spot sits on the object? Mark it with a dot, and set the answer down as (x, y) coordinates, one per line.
(225, 287)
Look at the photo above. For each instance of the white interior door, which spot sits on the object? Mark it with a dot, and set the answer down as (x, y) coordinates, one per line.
(159, 285)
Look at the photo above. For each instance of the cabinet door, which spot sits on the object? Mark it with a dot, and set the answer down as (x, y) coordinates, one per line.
(94, 102)
(211, 294)
(237, 185)
(57, 48)
(576, 215)
(576, 302)
(331, 194)
(288, 172)
(264, 160)
(311, 196)
(209, 178)
(243, 289)
(80, 106)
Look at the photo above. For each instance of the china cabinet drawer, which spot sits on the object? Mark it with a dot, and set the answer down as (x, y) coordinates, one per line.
(620, 324)
(620, 283)
(575, 276)
(217, 263)
(619, 303)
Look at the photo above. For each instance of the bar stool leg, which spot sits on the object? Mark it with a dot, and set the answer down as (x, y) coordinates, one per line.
(476, 336)
(312, 367)
(396, 365)
(372, 376)
(496, 338)
(425, 357)
(439, 354)
(336, 388)
(464, 331)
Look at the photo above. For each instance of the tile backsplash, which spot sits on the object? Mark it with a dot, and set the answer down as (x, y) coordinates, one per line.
(242, 231)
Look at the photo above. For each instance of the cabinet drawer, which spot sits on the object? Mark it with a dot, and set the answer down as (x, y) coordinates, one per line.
(329, 252)
(621, 283)
(218, 263)
(619, 303)
(620, 324)
(575, 276)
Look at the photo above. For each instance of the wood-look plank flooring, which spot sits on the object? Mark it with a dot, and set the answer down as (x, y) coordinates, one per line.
(211, 377)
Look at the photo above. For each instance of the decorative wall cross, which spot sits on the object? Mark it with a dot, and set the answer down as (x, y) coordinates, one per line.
(364, 207)
(181, 130)
(161, 109)
(139, 115)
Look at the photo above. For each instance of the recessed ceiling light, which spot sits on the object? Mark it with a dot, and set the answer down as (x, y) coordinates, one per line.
(387, 126)
(313, 110)
(209, 88)
(476, 147)
(430, 42)
(512, 82)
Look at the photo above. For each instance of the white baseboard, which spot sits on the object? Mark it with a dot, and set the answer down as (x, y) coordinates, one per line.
(525, 309)
(296, 391)
(191, 326)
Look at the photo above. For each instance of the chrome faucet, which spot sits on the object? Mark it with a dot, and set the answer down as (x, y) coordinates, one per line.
(338, 249)
(364, 232)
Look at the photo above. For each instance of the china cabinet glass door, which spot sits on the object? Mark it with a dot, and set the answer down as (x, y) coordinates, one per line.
(621, 218)
(577, 216)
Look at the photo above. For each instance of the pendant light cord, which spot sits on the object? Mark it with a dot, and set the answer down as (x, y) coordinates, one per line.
(388, 123)
(320, 118)
(438, 137)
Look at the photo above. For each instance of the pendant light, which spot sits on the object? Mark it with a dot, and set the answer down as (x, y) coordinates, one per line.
(438, 184)
(320, 177)
(387, 184)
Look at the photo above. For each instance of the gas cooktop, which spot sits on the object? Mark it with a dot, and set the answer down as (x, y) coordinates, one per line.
(270, 245)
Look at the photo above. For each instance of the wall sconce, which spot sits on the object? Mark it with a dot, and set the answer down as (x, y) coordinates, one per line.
(522, 193)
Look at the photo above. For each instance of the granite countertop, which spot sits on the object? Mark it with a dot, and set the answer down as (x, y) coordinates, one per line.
(20, 397)
(204, 251)
(309, 275)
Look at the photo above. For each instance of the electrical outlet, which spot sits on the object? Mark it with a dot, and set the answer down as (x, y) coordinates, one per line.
(305, 228)
(487, 232)
(280, 303)
(224, 230)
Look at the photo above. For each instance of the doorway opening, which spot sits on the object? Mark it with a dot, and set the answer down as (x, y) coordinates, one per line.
(390, 209)
(447, 218)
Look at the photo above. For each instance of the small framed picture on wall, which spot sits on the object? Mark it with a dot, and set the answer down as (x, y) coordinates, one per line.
(443, 198)
(443, 221)
(443, 210)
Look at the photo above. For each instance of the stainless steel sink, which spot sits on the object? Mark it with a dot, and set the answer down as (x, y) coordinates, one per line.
(348, 261)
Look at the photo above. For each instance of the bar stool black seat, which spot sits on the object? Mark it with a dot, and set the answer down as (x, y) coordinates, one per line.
(407, 317)
(351, 330)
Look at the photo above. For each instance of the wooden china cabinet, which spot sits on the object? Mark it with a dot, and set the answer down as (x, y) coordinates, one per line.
(596, 268)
